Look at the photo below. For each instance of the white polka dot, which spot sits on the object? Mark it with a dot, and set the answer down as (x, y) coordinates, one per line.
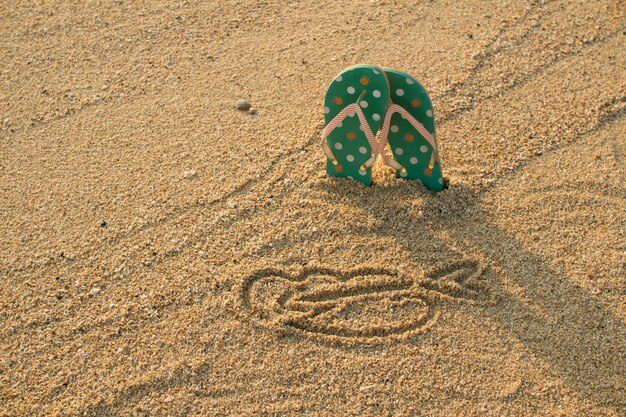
(399, 151)
(409, 81)
(350, 158)
(429, 113)
(424, 148)
(349, 177)
(361, 127)
(363, 149)
(351, 114)
(376, 93)
(362, 172)
(364, 104)
(350, 90)
(340, 124)
(326, 110)
(441, 181)
(403, 174)
(403, 116)
(338, 146)
(394, 128)
(413, 160)
(339, 78)
(375, 71)
(399, 92)
(376, 116)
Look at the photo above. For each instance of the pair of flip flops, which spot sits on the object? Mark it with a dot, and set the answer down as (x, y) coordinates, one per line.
(367, 107)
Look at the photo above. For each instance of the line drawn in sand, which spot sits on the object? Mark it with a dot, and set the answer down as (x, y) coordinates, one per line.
(363, 305)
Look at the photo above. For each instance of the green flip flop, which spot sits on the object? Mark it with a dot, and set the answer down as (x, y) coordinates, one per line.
(354, 109)
(409, 128)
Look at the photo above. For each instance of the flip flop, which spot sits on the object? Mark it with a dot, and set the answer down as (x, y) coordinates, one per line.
(354, 109)
(409, 128)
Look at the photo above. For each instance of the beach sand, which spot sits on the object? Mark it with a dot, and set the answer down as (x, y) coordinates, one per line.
(164, 253)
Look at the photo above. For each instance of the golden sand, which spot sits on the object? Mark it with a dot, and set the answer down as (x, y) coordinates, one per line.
(164, 253)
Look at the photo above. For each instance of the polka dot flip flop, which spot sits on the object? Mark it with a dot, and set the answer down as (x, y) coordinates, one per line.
(354, 107)
(409, 128)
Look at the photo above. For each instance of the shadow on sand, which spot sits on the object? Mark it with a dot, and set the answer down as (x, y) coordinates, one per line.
(582, 342)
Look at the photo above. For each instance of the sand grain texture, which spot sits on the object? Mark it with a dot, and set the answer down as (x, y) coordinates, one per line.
(167, 254)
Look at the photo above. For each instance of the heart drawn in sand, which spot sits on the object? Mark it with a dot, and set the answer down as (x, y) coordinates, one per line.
(363, 305)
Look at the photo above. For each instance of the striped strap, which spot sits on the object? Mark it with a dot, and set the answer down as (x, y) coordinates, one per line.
(349, 111)
(394, 108)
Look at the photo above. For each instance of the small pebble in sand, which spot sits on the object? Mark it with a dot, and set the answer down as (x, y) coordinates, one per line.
(202, 254)
(232, 205)
(191, 174)
(168, 399)
(252, 110)
(94, 291)
(420, 214)
(242, 104)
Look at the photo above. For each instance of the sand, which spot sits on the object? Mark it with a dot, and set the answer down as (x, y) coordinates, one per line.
(164, 253)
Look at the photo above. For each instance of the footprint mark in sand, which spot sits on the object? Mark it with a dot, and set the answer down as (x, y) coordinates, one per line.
(363, 305)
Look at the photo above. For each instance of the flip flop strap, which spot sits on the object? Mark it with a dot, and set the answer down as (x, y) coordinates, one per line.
(395, 108)
(348, 110)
